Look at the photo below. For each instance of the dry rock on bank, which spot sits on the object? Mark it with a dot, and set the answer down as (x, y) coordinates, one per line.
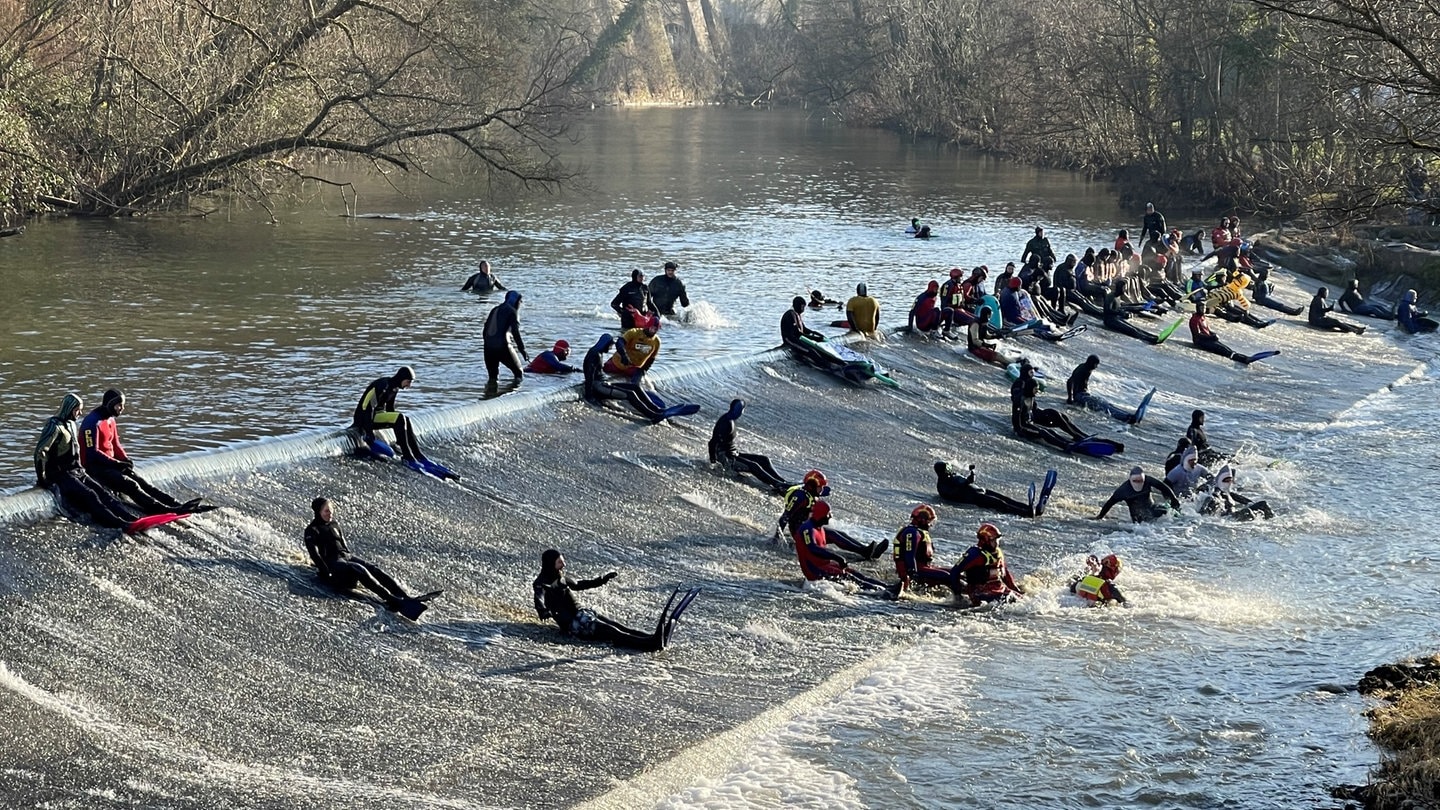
(1387, 260)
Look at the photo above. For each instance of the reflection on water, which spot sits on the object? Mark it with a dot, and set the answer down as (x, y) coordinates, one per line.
(227, 328)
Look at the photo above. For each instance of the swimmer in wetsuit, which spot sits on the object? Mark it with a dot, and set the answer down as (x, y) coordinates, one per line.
(598, 388)
(1098, 583)
(1200, 440)
(552, 360)
(57, 468)
(722, 451)
(983, 573)
(914, 554)
(1264, 294)
(555, 599)
(337, 567)
(376, 411)
(1354, 303)
(1202, 338)
(104, 459)
(1138, 493)
(1223, 499)
(818, 562)
(801, 499)
(501, 327)
(961, 489)
(483, 281)
(1077, 392)
(793, 328)
(1115, 317)
(1319, 316)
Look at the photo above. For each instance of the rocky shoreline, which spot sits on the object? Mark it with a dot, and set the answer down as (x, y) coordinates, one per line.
(1388, 260)
(1406, 728)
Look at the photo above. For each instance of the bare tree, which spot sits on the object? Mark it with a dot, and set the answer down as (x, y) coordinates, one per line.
(155, 102)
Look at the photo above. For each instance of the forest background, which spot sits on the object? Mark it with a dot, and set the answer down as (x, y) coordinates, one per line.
(1322, 110)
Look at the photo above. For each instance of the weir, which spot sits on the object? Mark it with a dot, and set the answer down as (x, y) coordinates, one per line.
(29, 503)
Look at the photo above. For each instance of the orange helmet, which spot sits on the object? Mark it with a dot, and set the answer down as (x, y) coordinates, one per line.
(988, 531)
(1112, 564)
(815, 481)
(923, 514)
(820, 511)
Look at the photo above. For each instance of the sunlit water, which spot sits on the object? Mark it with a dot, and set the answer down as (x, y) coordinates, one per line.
(198, 667)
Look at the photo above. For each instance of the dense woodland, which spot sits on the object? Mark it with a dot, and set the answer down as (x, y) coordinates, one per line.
(1318, 108)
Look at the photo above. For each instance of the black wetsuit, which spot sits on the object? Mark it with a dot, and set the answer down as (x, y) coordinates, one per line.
(555, 599)
(1022, 412)
(1077, 392)
(376, 410)
(598, 388)
(957, 489)
(1263, 294)
(1115, 320)
(1038, 249)
(340, 569)
(1152, 226)
(1319, 317)
(1353, 302)
(57, 466)
(722, 451)
(1203, 339)
(1141, 501)
(1206, 454)
(792, 328)
(632, 294)
(501, 325)
(482, 283)
(665, 291)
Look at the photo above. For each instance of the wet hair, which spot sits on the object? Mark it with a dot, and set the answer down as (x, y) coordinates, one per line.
(318, 504)
(1093, 360)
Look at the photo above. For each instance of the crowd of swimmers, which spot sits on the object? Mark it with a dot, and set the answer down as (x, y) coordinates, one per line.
(83, 462)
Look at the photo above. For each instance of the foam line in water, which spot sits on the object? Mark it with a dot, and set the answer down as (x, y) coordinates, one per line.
(450, 422)
(713, 757)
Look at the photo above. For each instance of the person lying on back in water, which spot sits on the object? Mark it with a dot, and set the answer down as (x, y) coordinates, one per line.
(1098, 583)
(337, 567)
(956, 488)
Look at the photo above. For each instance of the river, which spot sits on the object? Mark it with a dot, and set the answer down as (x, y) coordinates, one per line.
(198, 667)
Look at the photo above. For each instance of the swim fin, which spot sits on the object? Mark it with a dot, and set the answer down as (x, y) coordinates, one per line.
(1051, 477)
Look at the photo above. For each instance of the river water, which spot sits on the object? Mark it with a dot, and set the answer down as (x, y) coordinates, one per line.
(198, 667)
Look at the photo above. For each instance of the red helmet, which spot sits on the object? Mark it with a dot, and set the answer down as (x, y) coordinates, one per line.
(988, 531)
(1112, 564)
(815, 481)
(820, 511)
(923, 514)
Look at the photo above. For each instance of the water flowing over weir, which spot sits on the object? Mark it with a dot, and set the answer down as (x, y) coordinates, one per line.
(199, 666)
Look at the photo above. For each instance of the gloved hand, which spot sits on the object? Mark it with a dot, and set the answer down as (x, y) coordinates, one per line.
(544, 615)
(610, 576)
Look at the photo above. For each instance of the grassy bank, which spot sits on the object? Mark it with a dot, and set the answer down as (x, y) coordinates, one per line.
(1407, 730)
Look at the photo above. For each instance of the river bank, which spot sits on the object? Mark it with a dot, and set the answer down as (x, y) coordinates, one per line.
(1388, 259)
(1406, 728)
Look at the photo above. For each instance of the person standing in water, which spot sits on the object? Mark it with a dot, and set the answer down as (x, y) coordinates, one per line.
(501, 327)
(666, 289)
